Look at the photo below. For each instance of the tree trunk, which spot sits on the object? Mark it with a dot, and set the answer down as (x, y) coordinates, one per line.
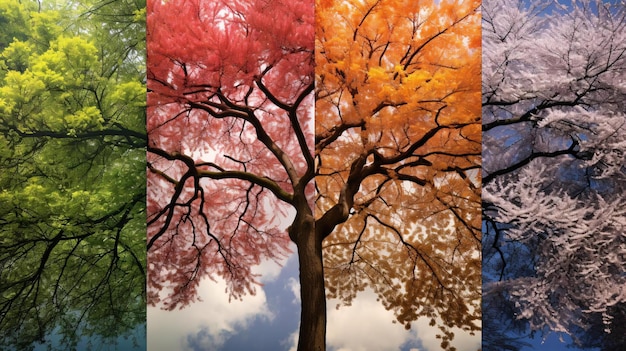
(312, 293)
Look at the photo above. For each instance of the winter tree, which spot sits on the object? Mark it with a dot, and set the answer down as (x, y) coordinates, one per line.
(554, 131)
(381, 189)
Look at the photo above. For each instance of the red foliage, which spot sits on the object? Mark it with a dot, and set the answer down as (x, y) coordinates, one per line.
(230, 128)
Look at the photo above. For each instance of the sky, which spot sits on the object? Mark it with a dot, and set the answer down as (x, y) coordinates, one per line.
(270, 319)
(136, 342)
(551, 342)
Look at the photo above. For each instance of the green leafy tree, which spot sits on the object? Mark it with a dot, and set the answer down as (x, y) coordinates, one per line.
(72, 154)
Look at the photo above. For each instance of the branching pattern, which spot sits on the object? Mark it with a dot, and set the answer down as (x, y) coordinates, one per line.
(72, 154)
(385, 182)
(553, 121)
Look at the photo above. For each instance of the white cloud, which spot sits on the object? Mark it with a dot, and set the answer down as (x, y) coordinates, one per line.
(211, 320)
(294, 285)
(367, 326)
(292, 341)
(363, 326)
(463, 341)
(268, 271)
(214, 317)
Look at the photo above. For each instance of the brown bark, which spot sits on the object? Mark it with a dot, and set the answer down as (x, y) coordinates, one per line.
(312, 293)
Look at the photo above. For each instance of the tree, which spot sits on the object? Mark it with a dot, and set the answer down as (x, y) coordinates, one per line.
(72, 153)
(384, 183)
(553, 117)
(398, 153)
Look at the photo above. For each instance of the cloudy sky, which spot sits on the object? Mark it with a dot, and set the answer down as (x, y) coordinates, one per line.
(269, 321)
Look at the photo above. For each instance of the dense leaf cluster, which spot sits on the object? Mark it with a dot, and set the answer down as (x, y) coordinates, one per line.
(553, 153)
(72, 154)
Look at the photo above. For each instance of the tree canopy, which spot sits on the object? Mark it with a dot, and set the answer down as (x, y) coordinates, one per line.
(230, 132)
(72, 153)
(384, 183)
(553, 153)
(223, 159)
(397, 143)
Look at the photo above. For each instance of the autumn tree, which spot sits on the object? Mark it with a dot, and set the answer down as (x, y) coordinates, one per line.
(397, 145)
(553, 122)
(384, 182)
(72, 154)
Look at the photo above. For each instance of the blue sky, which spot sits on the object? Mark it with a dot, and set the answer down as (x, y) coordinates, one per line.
(136, 342)
(551, 342)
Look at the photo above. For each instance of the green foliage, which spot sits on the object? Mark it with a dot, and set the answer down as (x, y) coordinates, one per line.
(72, 190)
(15, 57)
(13, 21)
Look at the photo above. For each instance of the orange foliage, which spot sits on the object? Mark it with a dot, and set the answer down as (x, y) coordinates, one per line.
(398, 116)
